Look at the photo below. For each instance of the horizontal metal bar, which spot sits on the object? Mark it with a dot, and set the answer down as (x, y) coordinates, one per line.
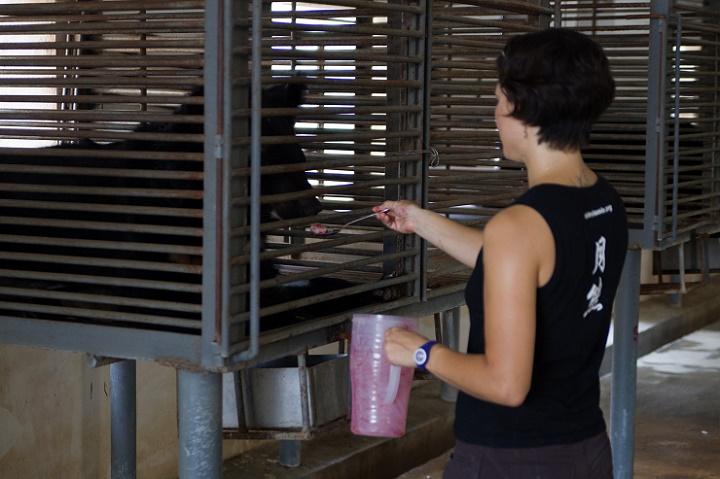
(333, 113)
(100, 262)
(102, 226)
(374, 269)
(95, 280)
(103, 23)
(107, 191)
(111, 119)
(511, 6)
(48, 133)
(375, 7)
(316, 30)
(49, 294)
(165, 80)
(97, 244)
(322, 190)
(106, 60)
(34, 9)
(159, 174)
(111, 99)
(103, 17)
(168, 347)
(328, 269)
(287, 341)
(103, 208)
(157, 43)
(319, 298)
(439, 18)
(101, 315)
(350, 56)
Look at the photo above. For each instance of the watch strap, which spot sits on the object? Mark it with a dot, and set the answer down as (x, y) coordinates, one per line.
(422, 354)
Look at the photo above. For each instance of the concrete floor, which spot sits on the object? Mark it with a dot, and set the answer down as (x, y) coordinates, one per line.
(677, 426)
(677, 432)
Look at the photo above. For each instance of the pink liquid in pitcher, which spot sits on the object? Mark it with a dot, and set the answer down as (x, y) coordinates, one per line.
(380, 391)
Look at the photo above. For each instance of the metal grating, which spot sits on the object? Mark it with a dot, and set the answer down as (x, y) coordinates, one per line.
(94, 213)
(361, 129)
(690, 202)
(660, 150)
(468, 180)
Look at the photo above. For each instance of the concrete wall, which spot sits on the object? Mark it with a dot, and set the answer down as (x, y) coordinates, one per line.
(55, 417)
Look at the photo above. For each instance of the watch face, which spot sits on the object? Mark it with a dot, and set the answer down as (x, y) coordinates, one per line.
(420, 356)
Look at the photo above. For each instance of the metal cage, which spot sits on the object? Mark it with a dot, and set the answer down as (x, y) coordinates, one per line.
(134, 137)
(658, 143)
(133, 227)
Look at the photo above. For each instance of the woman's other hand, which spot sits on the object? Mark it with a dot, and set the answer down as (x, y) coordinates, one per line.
(401, 344)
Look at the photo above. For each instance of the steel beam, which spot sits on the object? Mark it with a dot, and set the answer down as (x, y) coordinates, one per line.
(123, 420)
(199, 425)
(624, 371)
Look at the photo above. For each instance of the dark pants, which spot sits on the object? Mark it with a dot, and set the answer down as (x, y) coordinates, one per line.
(588, 459)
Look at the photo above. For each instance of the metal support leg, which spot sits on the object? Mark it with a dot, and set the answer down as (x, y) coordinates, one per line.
(290, 452)
(676, 299)
(199, 425)
(451, 339)
(123, 422)
(624, 371)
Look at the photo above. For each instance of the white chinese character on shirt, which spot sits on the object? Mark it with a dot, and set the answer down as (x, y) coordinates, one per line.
(600, 255)
(593, 295)
(593, 298)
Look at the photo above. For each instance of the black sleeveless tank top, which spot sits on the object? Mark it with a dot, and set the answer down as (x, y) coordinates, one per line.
(574, 308)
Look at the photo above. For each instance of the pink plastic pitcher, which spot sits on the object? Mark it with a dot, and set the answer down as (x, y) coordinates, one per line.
(380, 390)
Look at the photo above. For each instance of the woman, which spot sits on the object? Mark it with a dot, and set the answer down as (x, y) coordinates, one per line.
(546, 270)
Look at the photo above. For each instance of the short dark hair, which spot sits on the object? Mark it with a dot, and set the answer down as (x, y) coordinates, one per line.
(558, 80)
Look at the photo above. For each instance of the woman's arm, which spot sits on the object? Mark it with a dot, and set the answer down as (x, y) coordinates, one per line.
(518, 247)
(459, 241)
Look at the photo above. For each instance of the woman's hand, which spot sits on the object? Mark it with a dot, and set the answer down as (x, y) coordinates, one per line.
(459, 241)
(401, 344)
(399, 216)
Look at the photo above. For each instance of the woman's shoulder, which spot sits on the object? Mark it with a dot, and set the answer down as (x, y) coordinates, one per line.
(519, 239)
(517, 221)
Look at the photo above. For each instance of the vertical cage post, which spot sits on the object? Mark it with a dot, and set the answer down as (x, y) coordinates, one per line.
(199, 397)
(624, 369)
(290, 455)
(215, 248)
(123, 420)
(223, 96)
(655, 128)
(425, 74)
(676, 127)
(255, 160)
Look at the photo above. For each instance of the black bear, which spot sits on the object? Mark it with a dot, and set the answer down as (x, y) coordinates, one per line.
(127, 227)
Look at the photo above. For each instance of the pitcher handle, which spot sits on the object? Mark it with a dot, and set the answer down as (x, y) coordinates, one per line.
(393, 384)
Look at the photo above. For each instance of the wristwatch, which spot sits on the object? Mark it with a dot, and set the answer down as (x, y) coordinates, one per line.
(422, 354)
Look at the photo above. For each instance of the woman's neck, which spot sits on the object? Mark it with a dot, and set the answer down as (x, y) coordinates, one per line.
(545, 165)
